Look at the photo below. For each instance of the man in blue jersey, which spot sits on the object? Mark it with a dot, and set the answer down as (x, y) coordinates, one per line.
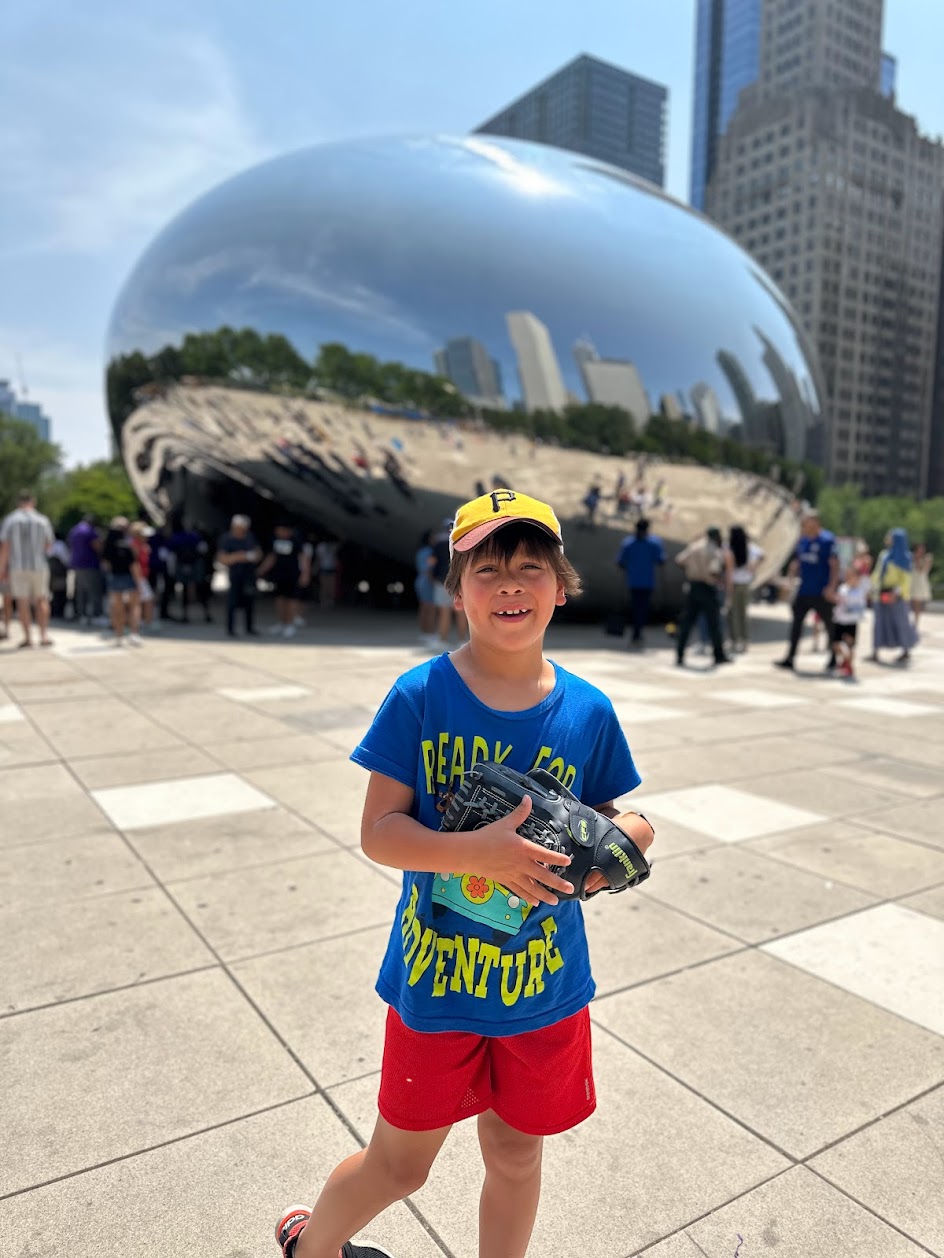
(486, 973)
(817, 563)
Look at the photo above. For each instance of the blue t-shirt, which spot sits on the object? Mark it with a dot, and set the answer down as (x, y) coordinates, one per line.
(814, 554)
(464, 954)
(640, 556)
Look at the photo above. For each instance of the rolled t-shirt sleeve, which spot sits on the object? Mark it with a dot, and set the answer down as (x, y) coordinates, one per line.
(391, 745)
(611, 771)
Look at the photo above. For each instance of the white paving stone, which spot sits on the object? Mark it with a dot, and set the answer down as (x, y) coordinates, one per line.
(9, 713)
(645, 713)
(872, 953)
(184, 799)
(884, 706)
(263, 694)
(725, 813)
(749, 698)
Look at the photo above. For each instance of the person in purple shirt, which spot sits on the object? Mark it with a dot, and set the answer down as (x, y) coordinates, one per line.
(84, 547)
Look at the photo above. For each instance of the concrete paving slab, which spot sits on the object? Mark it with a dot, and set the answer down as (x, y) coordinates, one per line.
(824, 791)
(65, 812)
(228, 1187)
(262, 694)
(895, 1167)
(877, 741)
(895, 776)
(97, 772)
(671, 838)
(183, 799)
(750, 896)
(794, 1215)
(758, 697)
(58, 691)
(117, 729)
(249, 911)
(329, 793)
(919, 821)
(930, 902)
(757, 724)
(212, 720)
(9, 712)
(867, 954)
(882, 705)
(21, 744)
(320, 998)
(633, 938)
(629, 1174)
(878, 863)
(728, 814)
(636, 713)
(212, 845)
(60, 870)
(112, 1075)
(99, 944)
(760, 1041)
(250, 754)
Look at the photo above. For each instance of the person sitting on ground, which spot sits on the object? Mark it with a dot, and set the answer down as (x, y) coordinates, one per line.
(891, 591)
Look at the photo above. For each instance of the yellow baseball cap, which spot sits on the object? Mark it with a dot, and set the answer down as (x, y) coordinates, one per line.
(479, 518)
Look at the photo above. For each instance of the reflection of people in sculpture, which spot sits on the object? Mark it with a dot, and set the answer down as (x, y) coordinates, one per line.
(326, 563)
(591, 502)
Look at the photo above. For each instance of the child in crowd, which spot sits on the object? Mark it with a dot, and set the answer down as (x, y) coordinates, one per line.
(851, 602)
(486, 974)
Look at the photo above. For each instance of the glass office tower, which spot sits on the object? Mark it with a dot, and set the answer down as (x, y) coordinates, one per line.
(727, 59)
(591, 107)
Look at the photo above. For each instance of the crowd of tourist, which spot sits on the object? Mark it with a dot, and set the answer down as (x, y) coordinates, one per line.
(126, 579)
(720, 577)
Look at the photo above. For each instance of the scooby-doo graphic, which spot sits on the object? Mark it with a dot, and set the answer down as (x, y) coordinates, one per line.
(482, 900)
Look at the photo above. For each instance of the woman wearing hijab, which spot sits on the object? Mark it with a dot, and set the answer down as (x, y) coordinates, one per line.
(891, 591)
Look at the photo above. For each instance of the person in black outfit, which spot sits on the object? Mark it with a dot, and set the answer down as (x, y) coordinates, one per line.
(288, 565)
(239, 553)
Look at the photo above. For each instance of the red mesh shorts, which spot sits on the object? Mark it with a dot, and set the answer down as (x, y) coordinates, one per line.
(540, 1082)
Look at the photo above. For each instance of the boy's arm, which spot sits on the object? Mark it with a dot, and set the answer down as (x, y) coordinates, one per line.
(390, 836)
(631, 823)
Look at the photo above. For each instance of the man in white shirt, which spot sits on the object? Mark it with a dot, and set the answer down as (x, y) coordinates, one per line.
(26, 540)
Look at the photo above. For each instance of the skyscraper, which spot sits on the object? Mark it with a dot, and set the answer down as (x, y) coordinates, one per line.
(835, 192)
(612, 381)
(466, 362)
(727, 55)
(542, 386)
(591, 107)
(728, 59)
(27, 412)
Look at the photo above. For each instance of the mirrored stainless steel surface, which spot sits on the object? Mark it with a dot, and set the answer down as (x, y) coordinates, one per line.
(485, 278)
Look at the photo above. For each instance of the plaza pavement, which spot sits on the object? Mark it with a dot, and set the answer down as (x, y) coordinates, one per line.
(189, 1037)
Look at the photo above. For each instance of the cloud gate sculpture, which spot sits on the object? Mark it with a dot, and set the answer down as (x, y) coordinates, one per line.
(362, 335)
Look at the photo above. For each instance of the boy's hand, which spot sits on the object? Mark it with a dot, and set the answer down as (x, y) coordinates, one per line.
(518, 864)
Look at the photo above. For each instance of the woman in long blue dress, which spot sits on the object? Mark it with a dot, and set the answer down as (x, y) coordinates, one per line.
(891, 592)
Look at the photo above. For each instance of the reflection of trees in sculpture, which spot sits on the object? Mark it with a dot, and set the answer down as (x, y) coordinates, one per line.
(244, 357)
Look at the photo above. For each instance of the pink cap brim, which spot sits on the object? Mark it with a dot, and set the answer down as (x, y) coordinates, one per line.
(476, 536)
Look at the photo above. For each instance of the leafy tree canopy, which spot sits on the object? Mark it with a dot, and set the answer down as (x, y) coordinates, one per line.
(26, 461)
(100, 489)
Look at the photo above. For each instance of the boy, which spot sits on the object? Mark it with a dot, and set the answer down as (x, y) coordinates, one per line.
(486, 973)
(850, 608)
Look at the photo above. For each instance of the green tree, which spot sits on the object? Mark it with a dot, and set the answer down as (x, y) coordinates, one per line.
(26, 461)
(101, 489)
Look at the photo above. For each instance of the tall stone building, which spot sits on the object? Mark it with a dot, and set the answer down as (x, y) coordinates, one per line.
(839, 197)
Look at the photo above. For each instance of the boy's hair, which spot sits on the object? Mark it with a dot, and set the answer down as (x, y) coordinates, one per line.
(502, 544)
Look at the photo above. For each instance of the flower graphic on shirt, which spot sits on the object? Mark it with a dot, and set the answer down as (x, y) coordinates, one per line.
(477, 888)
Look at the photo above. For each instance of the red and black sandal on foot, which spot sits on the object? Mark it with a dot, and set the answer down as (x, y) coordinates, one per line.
(289, 1227)
(364, 1251)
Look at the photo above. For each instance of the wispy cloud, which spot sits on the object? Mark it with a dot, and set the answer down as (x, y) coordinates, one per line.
(100, 153)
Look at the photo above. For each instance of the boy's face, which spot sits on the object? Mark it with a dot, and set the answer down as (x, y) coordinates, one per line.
(509, 603)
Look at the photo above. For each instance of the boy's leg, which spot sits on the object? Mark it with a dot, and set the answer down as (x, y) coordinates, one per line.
(508, 1205)
(394, 1165)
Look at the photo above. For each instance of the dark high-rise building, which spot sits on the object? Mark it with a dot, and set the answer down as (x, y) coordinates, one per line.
(839, 197)
(595, 108)
(466, 362)
(727, 56)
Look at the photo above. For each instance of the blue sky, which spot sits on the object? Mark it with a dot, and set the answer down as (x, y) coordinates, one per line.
(113, 117)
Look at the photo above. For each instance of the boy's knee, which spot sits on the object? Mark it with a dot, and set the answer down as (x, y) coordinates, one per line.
(510, 1153)
(404, 1176)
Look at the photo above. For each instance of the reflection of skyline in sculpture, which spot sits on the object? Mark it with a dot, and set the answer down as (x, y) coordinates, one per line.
(338, 276)
(542, 386)
(611, 381)
(466, 362)
(707, 408)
